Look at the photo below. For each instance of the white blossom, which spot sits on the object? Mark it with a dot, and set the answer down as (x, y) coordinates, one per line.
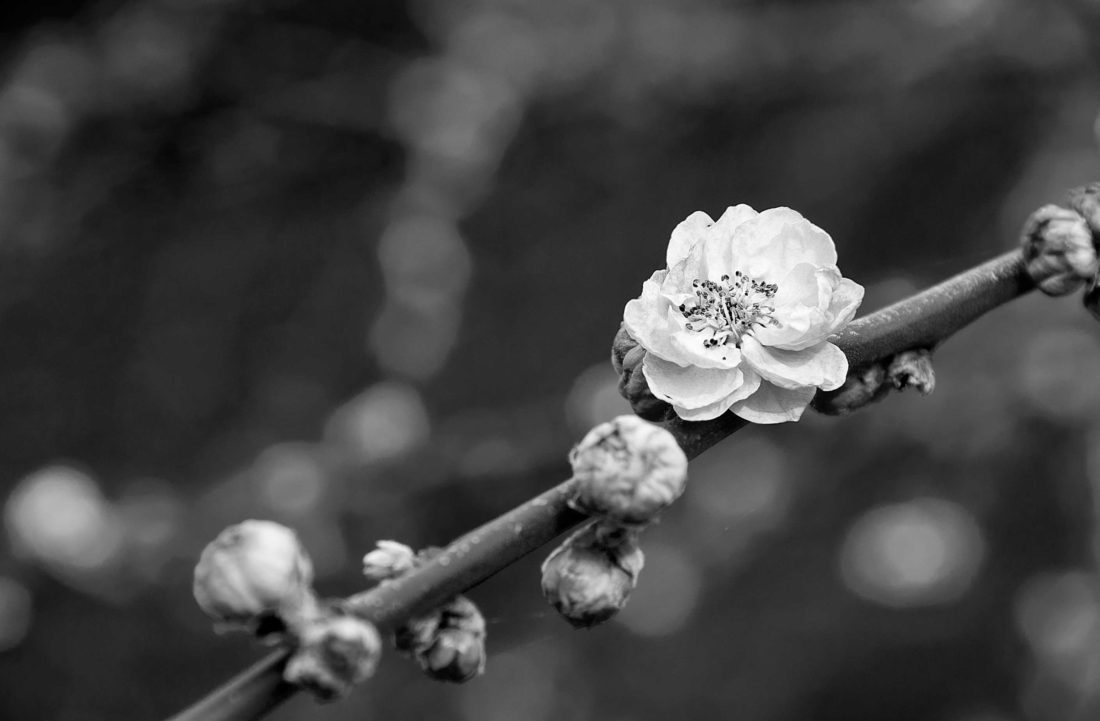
(740, 318)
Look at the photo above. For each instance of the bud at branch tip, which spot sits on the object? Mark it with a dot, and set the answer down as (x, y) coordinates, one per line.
(255, 576)
(1060, 250)
(389, 560)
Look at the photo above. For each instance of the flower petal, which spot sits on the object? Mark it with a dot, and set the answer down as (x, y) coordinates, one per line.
(685, 236)
(799, 317)
(772, 404)
(807, 284)
(734, 216)
(846, 300)
(812, 304)
(778, 239)
(644, 316)
(823, 365)
(715, 254)
(647, 320)
(707, 412)
(690, 387)
(690, 344)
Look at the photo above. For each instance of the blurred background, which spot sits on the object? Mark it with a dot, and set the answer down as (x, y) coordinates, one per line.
(356, 267)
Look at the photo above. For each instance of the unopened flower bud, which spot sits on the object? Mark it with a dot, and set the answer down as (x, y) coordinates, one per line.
(389, 560)
(252, 570)
(454, 656)
(1059, 249)
(628, 470)
(334, 654)
(588, 579)
(449, 644)
(626, 359)
(626, 354)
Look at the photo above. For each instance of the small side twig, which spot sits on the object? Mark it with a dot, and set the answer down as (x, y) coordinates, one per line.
(922, 321)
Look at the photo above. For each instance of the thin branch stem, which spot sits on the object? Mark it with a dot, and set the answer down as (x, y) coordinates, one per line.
(927, 319)
(250, 694)
(922, 321)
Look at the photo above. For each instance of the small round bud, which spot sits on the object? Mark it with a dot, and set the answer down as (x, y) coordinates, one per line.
(454, 656)
(449, 644)
(626, 359)
(334, 653)
(251, 570)
(1059, 250)
(588, 579)
(627, 471)
(389, 560)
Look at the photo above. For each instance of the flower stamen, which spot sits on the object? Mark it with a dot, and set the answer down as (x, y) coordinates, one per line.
(730, 308)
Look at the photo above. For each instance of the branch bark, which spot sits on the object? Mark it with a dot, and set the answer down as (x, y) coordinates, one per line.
(921, 321)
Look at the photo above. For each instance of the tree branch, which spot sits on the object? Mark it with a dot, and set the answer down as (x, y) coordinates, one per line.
(927, 319)
(921, 321)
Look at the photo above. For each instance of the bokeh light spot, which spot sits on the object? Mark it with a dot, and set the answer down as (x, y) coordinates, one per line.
(411, 343)
(1059, 615)
(16, 612)
(290, 478)
(921, 552)
(425, 261)
(58, 517)
(747, 481)
(1057, 373)
(427, 267)
(594, 398)
(444, 109)
(383, 422)
(667, 596)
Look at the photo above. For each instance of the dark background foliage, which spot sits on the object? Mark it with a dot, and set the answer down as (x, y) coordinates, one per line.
(356, 266)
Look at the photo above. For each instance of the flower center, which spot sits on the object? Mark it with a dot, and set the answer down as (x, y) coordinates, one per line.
(729, 309)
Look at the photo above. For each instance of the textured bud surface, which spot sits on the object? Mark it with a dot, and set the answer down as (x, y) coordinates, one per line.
(252, 569)
(626, 358)
(334, 654)
(389, 560)
(1059, 249)
(454, 655)
(621, 347)
(628, 470)
(913, 369)
(449, 644)
(588, 579)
